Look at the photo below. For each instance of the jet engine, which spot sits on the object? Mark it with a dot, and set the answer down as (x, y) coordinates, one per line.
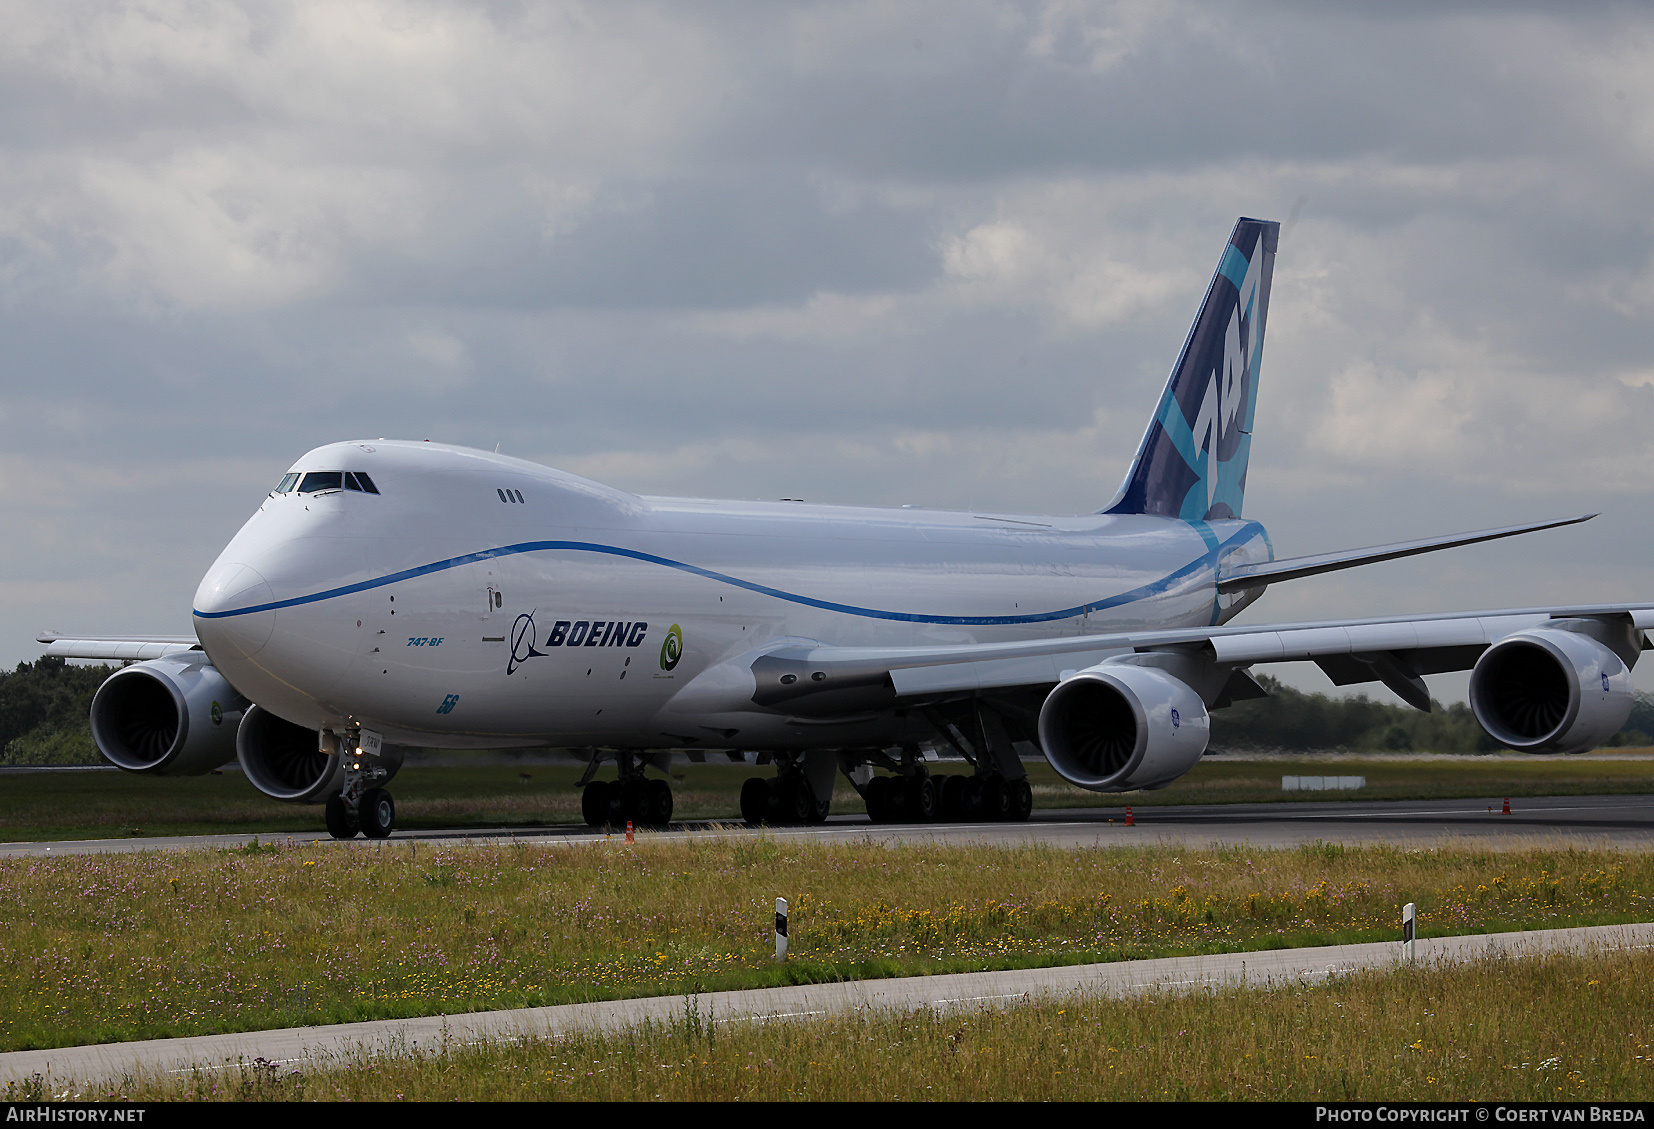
(173, 716)
(1117, 727)
(1551, 690)
(302, 766)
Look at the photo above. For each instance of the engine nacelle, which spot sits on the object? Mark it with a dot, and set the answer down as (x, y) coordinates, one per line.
(302, 766)
(287, 761)
(1550, 690)
(174, 716)
(1117, 727)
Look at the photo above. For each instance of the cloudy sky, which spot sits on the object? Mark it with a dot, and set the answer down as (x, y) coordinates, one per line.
(935, 253)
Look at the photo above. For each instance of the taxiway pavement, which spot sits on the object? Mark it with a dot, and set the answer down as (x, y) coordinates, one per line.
(1623, 822)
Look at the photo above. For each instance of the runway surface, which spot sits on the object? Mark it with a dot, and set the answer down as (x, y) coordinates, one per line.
(308, 1047)
(1625, 822)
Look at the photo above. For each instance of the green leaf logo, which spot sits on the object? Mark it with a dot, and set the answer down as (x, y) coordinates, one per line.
(671, 648)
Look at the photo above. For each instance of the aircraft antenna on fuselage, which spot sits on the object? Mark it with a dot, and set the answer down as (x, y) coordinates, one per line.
(1192, 460)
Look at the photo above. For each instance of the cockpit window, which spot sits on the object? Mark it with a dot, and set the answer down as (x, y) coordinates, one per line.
(315, 481)
(322, 480)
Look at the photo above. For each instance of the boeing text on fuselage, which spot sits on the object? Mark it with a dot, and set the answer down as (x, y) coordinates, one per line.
(572, 633)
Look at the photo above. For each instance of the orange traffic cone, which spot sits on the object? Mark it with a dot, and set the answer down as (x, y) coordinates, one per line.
(629, 838)
(1507, 805)
(1130, 822)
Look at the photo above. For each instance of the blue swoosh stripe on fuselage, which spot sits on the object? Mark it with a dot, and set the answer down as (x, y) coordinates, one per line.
(1132, 596)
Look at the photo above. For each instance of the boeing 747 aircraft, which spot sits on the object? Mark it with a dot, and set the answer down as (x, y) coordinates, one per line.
(390, 594)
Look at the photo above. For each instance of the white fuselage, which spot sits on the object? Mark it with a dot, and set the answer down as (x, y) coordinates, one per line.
(438, 612)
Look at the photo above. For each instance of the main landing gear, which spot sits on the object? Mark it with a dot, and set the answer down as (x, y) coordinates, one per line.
(920, 798)
(633, 798)
(644, 803)
(981, 733)
(800, 792)
(781, 799)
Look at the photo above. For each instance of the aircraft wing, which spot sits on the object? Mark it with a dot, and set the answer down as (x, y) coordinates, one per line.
(1395, 651)
(125, 648)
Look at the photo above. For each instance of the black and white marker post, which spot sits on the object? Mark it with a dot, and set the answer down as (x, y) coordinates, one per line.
(781, 929)
(1409, 926)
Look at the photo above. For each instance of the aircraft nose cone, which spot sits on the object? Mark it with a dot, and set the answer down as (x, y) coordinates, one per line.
(232, 616)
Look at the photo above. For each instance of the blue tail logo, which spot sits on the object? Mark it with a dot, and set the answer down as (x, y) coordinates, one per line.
(1192, 461)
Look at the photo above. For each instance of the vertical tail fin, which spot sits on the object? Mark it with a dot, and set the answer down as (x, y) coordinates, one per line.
(1192, 461)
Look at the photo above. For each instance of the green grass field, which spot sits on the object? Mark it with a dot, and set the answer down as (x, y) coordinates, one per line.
(104, 948)
(78, 805)
(1563, 1028)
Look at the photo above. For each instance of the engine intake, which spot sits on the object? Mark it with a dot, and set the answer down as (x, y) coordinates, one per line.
(167, 717)
(1551, 690)
(1116, 727)
(287, 761)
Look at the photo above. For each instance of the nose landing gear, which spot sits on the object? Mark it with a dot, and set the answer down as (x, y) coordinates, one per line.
(361, 805)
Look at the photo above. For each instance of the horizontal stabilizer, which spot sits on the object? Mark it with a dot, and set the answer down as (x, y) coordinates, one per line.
(1242, 577)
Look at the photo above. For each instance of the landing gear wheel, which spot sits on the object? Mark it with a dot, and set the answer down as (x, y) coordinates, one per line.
(993, 799)
(634, 802)
(875, 797)
(660, 803)
(377, 813)
(594, 803)
(897, 803)
(755, 800)
(341, 821)
(1021, 796)
(797, 805)
(921, 799)
(952, 793)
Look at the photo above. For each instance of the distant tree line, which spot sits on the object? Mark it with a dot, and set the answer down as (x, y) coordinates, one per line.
(44, 708)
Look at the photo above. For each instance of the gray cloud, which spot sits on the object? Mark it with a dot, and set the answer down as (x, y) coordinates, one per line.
(937, 253)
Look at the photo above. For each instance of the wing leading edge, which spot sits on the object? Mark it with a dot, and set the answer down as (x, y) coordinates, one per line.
(124, 648)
